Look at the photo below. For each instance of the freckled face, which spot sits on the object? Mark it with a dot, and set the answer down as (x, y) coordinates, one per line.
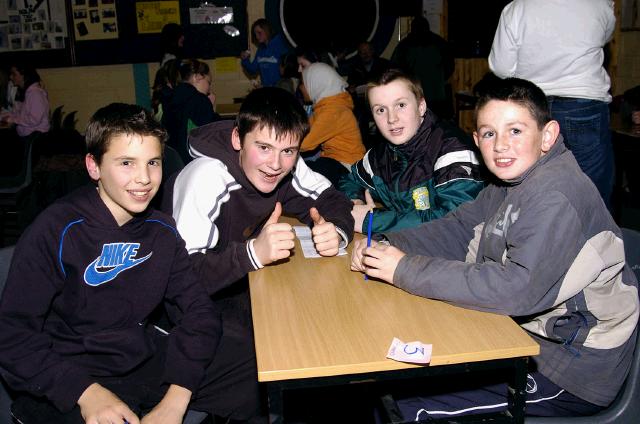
(396, 110)
(510, 140)
(265, 158)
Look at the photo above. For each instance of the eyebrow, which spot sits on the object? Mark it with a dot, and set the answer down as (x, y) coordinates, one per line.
(266, 143)
(405, 99)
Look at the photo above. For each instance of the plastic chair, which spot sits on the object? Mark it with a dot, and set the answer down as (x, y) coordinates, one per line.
(6, 253)
(625, 409)
(12, 189)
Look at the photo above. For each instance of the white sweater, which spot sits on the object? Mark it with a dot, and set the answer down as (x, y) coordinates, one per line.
(557, 44)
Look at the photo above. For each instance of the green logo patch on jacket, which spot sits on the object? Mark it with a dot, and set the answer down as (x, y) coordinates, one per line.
(421, 198)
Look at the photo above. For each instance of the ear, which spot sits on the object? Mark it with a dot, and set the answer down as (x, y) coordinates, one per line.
(550, 134)
(422, 106)
(475, 139)
(235, 139)
(92, 167)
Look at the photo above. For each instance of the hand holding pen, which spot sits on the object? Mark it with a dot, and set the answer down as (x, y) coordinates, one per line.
(369, 226)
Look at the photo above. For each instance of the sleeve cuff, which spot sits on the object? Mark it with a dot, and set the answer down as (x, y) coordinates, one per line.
(345, 239)
(253, 256)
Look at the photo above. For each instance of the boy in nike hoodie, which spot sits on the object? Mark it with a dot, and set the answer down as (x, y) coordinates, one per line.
(75, 338)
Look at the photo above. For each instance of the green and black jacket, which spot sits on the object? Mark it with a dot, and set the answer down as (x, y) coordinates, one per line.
(423, 179)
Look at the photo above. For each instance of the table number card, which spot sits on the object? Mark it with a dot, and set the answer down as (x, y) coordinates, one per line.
(414, 352)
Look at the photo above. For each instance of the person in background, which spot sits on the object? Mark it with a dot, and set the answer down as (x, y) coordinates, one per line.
(537, 244)
(289, 75)
(305, 57)
(192, 104)
(4, 90)
(172, 42)
(558, 45)
(30, 113)
(270, 48)
(426, 168)
(334, 129)
(630, 108)
(429, 58)
(366, 66)
(165, 81)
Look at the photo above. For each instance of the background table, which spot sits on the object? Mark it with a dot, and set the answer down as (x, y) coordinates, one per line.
(314, 319)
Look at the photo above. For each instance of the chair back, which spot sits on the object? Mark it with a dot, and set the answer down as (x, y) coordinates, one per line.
(12, 185)
(625, 409)
(6, 253)
(632, 249)
(171, 162)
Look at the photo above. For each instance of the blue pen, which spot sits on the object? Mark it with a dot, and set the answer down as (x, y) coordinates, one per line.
(370, 213)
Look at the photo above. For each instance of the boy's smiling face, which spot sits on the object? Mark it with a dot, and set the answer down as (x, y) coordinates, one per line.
(396, 110)
(129, 174)
(265, 158)
(510, 140)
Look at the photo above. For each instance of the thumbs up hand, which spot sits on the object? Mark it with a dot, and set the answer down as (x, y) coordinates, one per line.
(276, 239)
(325, 237)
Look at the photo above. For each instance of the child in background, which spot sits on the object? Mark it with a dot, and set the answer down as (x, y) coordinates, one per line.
(190, 105)
(334, 129)
(75, 330)
(538, 245)
(426, 169)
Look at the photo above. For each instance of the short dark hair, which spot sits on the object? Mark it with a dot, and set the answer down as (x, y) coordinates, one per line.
(116, 119)
(273, 108)
(391, 75)
(523, 92)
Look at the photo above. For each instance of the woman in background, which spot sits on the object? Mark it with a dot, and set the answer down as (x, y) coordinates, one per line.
(172, 39)
(190, 105)
(271, 47)
(166, 79)
(334, 129)
(30, 113)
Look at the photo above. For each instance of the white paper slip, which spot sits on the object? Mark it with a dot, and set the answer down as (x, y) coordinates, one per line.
(414, 352)
(306, 241)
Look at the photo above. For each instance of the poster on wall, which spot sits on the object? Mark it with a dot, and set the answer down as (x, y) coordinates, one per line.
(94, 19)
(32, 25)
(153, 15)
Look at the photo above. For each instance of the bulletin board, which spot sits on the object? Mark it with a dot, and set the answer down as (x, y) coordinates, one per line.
(140, 45)
(102, 32)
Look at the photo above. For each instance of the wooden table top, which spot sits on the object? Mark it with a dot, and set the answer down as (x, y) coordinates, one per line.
(317, 318)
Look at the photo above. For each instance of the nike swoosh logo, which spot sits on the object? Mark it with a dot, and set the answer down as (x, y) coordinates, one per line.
(93, 277)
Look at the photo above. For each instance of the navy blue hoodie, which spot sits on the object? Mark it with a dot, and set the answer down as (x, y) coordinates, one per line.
(80, 291)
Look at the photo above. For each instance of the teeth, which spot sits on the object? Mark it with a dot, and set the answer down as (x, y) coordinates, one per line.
(503, 160)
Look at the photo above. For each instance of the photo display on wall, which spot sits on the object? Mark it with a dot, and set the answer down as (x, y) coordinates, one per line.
(32, 25)
(94, 19)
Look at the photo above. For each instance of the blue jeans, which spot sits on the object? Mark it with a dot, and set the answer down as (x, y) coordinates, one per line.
(584, 124)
